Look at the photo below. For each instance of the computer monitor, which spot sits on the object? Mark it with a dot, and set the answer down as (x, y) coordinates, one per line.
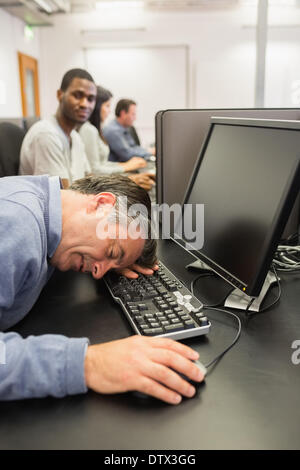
(158, 147)
(247, 176)
(180, 134)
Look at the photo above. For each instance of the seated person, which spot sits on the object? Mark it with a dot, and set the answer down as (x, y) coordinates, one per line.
(44, 227)
(52, 146)
(118, 134)
(97, 149)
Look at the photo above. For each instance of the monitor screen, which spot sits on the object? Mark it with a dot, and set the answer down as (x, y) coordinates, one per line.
(247, 177)
(180, 134)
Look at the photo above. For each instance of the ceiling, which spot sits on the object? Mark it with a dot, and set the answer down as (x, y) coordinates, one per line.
(39, 12)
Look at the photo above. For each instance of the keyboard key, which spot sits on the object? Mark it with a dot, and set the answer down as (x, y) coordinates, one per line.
(142, 307)
(199, 315)
(153, 331)
(175, 327)
(185, 317)
(161, 290)
(190, 323)
(178, 309)
(164, 307)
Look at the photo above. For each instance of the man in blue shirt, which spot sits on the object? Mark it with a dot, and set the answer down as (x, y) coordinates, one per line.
(119, 137)
(44, 227)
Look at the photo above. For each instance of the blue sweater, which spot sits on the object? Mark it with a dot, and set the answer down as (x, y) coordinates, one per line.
(30, 231)
(121, 143)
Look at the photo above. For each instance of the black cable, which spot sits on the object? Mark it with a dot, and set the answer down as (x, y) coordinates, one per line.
(210, 307)
(196, 279)
(221, 302)
(219, 356)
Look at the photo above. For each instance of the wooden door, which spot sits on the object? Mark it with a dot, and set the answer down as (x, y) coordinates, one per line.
(28, 67)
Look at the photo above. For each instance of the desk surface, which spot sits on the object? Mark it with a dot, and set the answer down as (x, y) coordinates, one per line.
(250, 399)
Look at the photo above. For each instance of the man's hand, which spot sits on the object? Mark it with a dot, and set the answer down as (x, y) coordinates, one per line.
(145, 180)
(132, 271)
(143, 364)
(134, 163)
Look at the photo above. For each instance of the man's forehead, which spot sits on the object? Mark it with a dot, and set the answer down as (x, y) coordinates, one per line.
(82, 84)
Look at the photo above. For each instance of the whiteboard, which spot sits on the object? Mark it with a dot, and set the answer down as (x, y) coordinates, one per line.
(155, 77)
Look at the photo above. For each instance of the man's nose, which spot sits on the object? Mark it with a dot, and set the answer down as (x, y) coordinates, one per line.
(99, 269)
(84, 102)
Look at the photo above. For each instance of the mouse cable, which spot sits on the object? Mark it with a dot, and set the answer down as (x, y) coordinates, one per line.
(219, 356)
(221, 302)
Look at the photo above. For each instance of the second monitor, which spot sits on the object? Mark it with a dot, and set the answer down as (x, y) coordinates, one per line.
(179, 138)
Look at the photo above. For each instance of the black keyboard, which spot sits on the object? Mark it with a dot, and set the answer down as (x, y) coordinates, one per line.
(158, 305)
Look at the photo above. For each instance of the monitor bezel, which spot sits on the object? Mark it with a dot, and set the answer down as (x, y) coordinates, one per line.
(287, 200)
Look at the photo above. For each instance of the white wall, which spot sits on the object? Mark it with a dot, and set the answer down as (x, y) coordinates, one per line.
(221, 51)
(221, 46)
(12, 40)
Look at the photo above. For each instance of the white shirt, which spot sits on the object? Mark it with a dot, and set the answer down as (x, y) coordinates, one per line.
(46, 149)
(97, 151)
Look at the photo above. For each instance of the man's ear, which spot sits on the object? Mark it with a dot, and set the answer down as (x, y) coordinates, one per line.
(59, 94)
(101, 201)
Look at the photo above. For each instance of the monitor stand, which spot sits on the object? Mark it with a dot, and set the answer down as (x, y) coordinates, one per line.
(238, 299)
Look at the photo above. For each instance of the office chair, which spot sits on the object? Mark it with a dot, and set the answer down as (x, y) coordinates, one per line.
(11, 137)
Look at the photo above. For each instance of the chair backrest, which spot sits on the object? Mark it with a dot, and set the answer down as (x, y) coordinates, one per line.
(19, 121)
(11, 137)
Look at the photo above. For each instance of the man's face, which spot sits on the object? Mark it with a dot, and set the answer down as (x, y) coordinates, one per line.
(130, 116)
(78, 101)
(98, 256)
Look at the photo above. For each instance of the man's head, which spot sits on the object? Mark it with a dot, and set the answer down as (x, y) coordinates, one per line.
(126, 112)
(99, 233)
(76, 96)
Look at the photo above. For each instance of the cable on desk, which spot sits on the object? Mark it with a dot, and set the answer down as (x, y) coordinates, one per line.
(221, 302)
(196, 279)
(287, 258)
(219, 356)
(211, 307)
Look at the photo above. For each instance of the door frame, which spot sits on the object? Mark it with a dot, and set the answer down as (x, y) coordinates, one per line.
(27, 62)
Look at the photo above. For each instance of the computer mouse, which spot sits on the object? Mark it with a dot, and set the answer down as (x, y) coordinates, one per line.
(198, 363)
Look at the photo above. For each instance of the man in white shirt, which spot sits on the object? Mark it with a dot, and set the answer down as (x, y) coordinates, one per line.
(52, 146)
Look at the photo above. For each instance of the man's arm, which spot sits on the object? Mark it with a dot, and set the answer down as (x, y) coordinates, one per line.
(39, 366)
(119, 145)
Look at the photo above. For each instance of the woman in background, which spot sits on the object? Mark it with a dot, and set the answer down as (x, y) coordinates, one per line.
(97, 150)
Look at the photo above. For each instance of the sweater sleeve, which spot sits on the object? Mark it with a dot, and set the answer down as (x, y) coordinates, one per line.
(36, 366)
(120, 146)
(40, 366)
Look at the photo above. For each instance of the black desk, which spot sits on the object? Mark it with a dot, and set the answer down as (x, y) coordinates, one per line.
(250, 399)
